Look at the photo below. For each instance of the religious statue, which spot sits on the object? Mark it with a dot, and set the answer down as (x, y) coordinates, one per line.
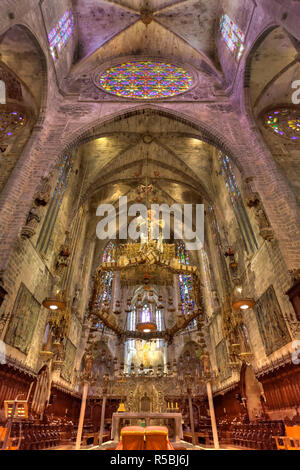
(32, 222)
(63, 255)
(43, 193)
(75, 302)
(253, 200)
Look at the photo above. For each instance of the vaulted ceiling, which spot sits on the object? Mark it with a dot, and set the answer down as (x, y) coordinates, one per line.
(180, 29)
(147, 148)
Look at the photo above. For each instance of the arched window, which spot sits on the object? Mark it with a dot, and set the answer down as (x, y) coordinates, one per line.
(185, 283)
(109, 253)
(10, 85)
(61, 33)
(159, 320)
(12, 116)
(207, 279)
(107, 278)
(131, 319)
(146, 314)
(133, 348)
(145, 317)
(233, 36)
(54, 206)
(237, 203)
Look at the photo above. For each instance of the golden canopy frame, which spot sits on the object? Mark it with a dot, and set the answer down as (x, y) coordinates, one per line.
(148, 260)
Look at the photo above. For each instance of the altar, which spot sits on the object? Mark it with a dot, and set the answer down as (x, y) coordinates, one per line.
(148, 417)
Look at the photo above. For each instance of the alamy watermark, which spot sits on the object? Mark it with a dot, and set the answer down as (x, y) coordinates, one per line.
(2, 92)
(152, 224)
(296, 352)
(2, 352)
(296, 94)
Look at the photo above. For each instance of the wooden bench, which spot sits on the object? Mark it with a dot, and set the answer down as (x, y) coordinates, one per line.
(291, 441)
(94, 437)
(89, 436)
(187, 436)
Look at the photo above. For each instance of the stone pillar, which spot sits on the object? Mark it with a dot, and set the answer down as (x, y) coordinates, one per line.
(192, 420)
(102, 420)
(175, 290)
(178, 433)
(81, 417)
(115, 431)
(115, 289)
(212, 415)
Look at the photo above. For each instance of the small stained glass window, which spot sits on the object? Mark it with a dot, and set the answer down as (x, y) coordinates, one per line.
(207, 279)
(284, 122)
(55, 205)
(185, 284)
(131, 319)
(109, 253)
(146, 314)
(233, 36)
(61, 33)
(10, 123)
(145, 80)
(107, 278)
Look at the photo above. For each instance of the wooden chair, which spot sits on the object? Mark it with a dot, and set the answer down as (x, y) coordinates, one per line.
(132, 438)
(157, 438)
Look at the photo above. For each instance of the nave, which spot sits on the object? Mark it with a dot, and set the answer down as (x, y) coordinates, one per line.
(149, 225)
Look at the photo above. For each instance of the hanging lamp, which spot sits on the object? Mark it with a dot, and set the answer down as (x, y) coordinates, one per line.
(240, 301)
(243, 304)
(55, 301)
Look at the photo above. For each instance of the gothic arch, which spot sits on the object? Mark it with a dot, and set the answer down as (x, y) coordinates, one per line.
(206, 132)
(43, 74)
(248, 71)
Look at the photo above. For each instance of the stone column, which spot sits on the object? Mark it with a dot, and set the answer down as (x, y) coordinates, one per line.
(212, 415)
(175, 290)
(102, 420)
(192, 420)
(115, 289)
(178, 433)
(116, 430)
(81, 417)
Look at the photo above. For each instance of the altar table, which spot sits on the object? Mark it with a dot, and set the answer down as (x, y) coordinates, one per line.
(176, 417)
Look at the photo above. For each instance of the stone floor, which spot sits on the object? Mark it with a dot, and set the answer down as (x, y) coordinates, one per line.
(183, 445)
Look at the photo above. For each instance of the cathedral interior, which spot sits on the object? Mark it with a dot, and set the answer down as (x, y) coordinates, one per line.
(111, 112)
